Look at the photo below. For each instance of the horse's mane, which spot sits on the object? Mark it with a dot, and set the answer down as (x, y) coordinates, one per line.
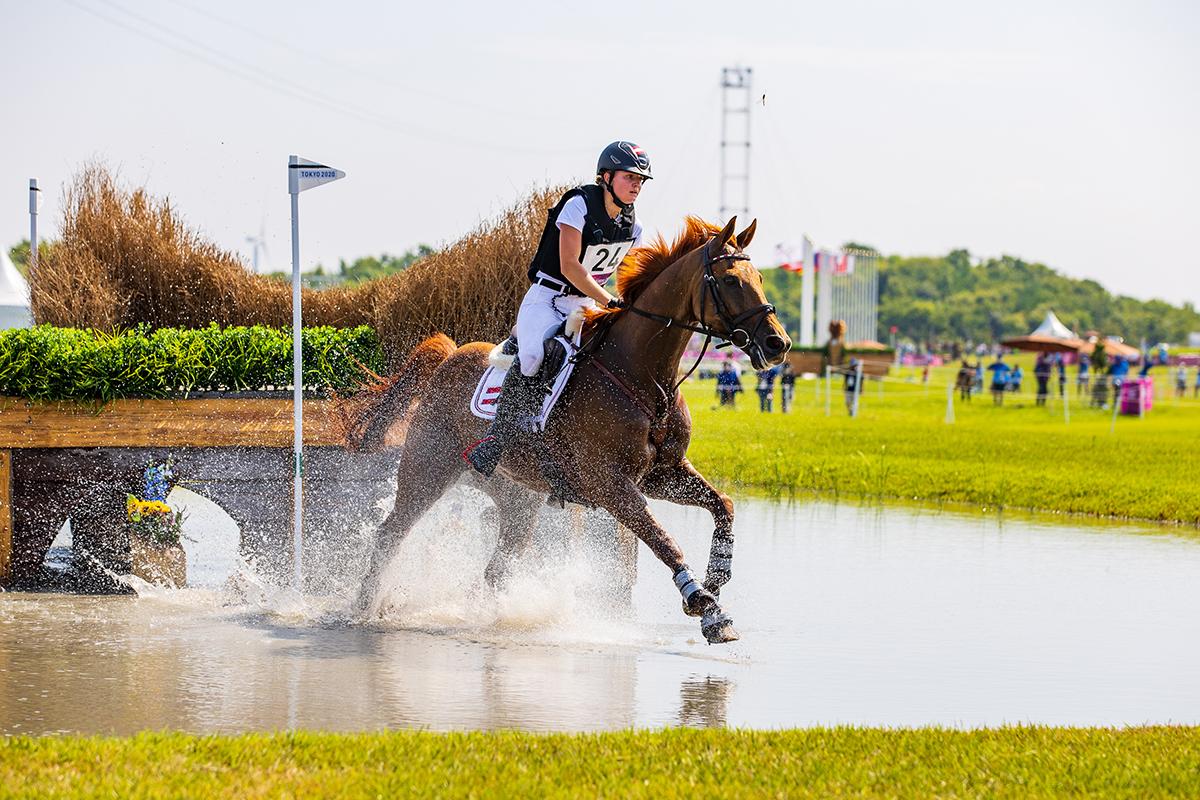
(644, 264)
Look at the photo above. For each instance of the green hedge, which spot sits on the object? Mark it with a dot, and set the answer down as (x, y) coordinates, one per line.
(48, 363)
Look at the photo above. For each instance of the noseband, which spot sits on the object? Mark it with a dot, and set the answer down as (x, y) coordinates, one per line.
(735, 332)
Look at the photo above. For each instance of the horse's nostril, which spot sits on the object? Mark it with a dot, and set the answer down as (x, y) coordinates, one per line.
(775, 344)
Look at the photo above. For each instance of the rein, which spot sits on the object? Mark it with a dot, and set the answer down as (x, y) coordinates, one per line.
(733, 334)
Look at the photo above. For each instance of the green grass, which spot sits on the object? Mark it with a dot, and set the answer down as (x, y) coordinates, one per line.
(1018, 762)
(1017, 456)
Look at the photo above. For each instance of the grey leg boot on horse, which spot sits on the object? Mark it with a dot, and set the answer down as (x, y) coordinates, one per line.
(520, 399)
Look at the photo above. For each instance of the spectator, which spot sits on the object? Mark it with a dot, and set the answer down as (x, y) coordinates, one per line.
(787, 387)
(1061, 366)
(850, 387)
(1196, 390)
(1000, 372)
(1014, 380)
(1041, 371)
(729, 383)
(766, 389)
(978, 374)
(1081, 380)
(1181, 381)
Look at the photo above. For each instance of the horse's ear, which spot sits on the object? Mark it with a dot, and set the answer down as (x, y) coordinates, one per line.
(745, 236)
(727, 231)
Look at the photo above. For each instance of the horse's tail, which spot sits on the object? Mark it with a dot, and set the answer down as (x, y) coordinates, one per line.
(365, 417)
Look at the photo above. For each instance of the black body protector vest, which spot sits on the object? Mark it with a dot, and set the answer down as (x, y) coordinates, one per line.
(599, 232)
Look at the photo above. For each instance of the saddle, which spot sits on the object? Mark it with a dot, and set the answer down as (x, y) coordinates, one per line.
(555, 371)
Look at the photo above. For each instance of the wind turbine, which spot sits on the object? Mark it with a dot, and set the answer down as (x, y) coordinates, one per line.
(258, 242)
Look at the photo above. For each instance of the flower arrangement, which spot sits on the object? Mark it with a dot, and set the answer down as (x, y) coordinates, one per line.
(154, 520)
(150, 517)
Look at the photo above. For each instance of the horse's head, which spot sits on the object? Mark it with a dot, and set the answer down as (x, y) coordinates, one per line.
(731, 302)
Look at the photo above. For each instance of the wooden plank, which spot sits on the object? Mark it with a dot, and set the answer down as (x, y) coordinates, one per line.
(209, 422)
(6, 516)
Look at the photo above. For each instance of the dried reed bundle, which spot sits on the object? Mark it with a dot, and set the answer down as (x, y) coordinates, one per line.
(126, 257)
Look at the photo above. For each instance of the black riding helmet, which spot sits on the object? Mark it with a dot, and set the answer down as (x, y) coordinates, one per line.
(625, 156)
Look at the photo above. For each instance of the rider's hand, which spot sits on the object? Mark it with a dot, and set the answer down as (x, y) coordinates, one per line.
(616, 302)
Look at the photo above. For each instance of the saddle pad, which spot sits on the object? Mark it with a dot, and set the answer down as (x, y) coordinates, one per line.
(483, 402)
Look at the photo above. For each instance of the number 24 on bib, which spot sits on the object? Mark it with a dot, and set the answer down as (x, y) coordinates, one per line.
(602, 260)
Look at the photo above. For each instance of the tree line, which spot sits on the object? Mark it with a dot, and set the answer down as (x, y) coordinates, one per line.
(947, 298)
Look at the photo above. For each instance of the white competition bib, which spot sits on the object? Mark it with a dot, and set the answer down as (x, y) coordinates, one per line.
(602, 260)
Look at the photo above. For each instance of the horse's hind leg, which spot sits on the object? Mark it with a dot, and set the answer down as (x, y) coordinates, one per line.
(421, 480)
(628, 507)
(682, 484)
(517, 509)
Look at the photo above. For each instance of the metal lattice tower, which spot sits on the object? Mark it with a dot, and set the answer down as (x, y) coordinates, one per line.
(735, 141)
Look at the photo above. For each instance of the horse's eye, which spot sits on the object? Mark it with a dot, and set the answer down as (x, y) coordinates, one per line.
(730, 280)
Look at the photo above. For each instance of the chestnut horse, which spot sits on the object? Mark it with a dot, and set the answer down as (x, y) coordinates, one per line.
(619, 433)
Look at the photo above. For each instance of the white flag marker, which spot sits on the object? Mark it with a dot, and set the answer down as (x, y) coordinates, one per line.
(302, 174)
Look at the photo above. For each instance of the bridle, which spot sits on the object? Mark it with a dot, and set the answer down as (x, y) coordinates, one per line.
(735, 327)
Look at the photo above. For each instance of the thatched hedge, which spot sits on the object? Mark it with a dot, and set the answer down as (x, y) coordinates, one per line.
(126, 258)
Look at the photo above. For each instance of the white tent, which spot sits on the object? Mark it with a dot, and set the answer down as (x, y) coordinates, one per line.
(1054, 328)
(14, 296)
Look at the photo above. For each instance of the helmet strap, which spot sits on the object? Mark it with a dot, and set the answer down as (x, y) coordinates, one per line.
(608, 185)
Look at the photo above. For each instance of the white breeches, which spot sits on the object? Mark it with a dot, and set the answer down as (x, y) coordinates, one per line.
(542, 310)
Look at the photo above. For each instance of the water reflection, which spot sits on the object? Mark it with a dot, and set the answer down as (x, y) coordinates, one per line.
(892, 617)
(704, 702)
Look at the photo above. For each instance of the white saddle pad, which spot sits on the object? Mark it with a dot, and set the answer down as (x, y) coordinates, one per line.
(487, 393)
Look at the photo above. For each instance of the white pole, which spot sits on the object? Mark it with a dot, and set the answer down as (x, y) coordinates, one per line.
(1141, 399)
(35, 203)
(297, 383)
(1067, 405)
(828, 388)
(857, 386)
(1115, 392)
(807, 280)
(950, 403)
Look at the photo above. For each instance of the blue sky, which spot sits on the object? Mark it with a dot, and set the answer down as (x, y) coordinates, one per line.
(1057, 132)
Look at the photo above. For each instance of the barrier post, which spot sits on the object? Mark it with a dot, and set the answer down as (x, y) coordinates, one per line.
(1115, 393)
(828, 389)
(857, 387)
(950, 403)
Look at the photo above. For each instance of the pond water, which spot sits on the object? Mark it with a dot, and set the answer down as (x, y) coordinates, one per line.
(872, 616)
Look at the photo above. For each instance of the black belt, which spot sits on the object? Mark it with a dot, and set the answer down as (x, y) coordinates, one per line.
(555, 283)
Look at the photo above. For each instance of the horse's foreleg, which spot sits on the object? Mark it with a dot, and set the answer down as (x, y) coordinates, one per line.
(682, 484)
(628, 507)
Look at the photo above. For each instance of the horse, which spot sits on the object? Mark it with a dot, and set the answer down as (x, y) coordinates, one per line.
(619, 433)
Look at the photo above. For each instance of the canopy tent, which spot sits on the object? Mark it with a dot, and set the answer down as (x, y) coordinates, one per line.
(1049, 337)
(1113, 348)
(1053, 327)
(14, 296)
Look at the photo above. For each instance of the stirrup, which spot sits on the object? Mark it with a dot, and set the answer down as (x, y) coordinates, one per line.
(484, 456)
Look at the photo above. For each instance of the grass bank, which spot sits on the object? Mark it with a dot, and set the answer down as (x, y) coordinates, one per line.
(1017, 456)
(1024, 762)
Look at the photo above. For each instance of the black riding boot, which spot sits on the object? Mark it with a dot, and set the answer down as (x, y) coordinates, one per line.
(520, 398)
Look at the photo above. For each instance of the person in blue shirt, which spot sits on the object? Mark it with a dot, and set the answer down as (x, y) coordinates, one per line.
(1081, 380)
(1000, 372)
(1014, 380)
(729, 383)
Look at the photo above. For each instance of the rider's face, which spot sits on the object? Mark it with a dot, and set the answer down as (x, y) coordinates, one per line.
(627, 185)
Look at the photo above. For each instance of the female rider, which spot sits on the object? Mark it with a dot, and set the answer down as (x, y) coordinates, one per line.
(587, 233)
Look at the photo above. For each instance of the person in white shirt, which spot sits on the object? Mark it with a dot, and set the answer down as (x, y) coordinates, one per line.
(587, 234)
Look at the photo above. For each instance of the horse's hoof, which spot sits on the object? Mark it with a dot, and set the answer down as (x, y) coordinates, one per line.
(721, 633)
(699, 601)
